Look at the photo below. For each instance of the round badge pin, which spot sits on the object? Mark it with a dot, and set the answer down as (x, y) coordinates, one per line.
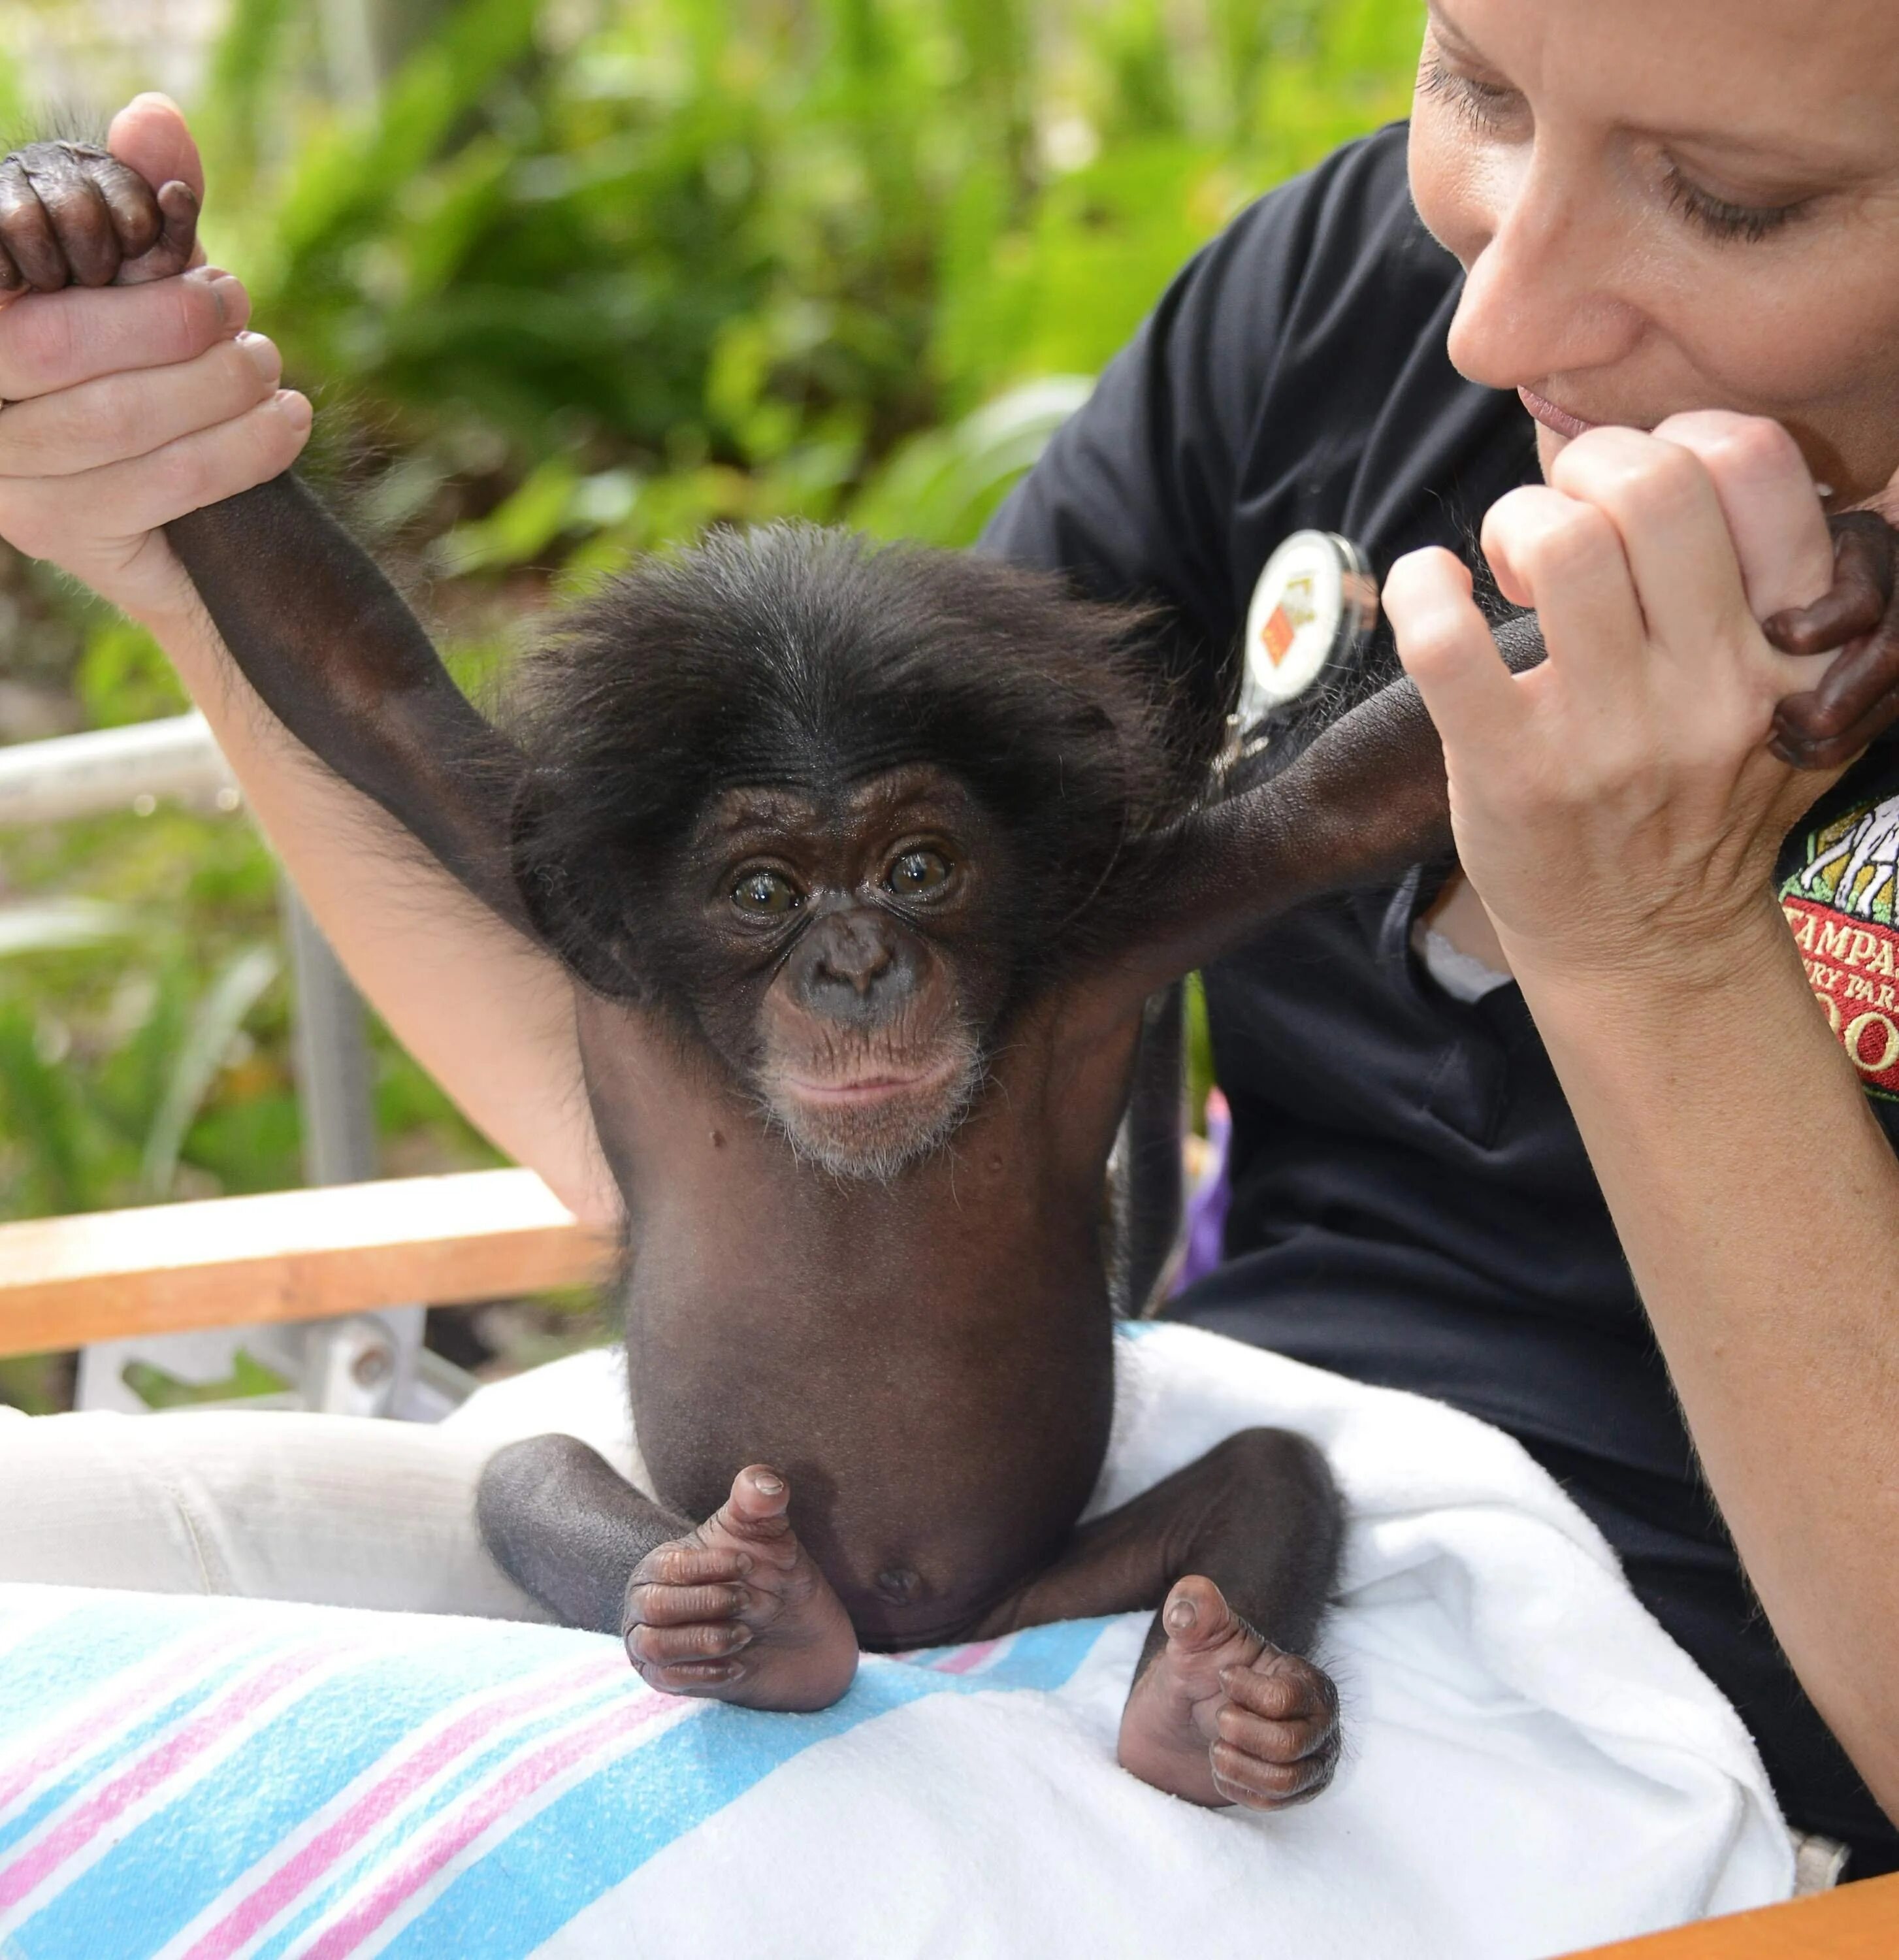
(1314, 600)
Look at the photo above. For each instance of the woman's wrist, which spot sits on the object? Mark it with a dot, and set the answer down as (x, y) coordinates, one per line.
(1722, 948)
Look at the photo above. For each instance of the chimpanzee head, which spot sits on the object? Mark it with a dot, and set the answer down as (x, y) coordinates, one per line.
(839, 812)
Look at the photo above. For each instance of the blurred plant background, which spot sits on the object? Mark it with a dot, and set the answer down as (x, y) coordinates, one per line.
(569, 280)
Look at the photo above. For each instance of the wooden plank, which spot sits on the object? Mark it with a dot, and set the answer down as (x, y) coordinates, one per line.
(1856, 1922)
(290, 1255)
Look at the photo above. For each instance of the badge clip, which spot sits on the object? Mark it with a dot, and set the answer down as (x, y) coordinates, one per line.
(1315, 602)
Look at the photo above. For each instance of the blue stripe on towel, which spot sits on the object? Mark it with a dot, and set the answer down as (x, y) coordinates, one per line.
(163, 1876)
(599, 1834)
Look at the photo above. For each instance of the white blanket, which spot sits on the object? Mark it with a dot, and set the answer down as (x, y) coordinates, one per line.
(1532, 1766)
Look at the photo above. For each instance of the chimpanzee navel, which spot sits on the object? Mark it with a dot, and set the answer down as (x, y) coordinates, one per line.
(900, 1585)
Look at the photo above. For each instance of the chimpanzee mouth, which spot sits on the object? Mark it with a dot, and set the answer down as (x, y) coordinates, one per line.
(864, 1091)
(875, 1124)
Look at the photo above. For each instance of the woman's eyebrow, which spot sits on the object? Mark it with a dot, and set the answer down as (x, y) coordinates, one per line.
(1446, 31)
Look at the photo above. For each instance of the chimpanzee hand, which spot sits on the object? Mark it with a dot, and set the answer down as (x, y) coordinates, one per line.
(1857, 700)
(72, 214)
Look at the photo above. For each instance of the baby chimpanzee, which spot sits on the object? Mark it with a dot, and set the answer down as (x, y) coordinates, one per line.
(864, 863)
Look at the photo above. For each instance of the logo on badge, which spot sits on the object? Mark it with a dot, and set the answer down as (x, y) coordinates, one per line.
(1841, 906)
(1315, 601)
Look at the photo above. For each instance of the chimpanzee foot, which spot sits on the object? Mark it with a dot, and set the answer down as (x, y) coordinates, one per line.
(1219, 1715)
(738, 1611)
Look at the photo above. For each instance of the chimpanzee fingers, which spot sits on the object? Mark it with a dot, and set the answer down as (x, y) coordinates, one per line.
(177, 240)
(682, 1562)
(63, 176)
(1245, 1779)
(675, 1646)
(137, 221)
(1275, 1741)
(683, 1605)
(26, 232)
(1802, 734)
(1862, 589)
(1282, 1687)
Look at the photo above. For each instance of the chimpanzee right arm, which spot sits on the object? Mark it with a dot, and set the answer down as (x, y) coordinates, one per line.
(345, 665)
(314, 626)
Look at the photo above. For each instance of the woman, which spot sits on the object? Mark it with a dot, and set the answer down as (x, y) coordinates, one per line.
(1648, 212)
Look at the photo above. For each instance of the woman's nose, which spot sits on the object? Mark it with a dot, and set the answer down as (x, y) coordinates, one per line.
(1551, 290)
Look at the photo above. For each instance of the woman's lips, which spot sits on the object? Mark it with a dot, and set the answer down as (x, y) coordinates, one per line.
(1551, 417)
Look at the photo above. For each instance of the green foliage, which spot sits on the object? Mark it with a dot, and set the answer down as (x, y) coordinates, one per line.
(587, 277)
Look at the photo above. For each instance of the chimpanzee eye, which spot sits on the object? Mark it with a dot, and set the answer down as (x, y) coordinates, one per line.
(916, 873)
(766, 895)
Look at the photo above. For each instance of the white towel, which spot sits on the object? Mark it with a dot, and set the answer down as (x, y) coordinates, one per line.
(1531, 1765)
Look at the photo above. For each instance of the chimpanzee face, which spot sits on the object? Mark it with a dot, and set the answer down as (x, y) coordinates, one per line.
(852, 960)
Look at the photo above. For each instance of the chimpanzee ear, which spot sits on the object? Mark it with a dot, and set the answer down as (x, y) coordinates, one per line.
(565, 914)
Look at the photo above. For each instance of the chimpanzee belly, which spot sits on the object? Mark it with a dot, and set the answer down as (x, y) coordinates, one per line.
(938, 1452)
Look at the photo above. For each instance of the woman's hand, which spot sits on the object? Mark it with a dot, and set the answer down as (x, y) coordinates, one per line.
(1618, 808)
(128, 405)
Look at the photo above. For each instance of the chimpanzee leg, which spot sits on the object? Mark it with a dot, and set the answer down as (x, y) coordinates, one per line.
(735, 1608)
(1239, 1550)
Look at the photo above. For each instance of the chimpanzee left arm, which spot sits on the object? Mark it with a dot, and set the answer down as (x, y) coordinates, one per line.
(1366, 798)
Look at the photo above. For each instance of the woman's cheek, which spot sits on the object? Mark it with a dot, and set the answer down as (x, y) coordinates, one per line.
(1447, 185)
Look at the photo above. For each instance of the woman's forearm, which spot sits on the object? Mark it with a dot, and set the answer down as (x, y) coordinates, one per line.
(1757, 1201)
(488, 1014)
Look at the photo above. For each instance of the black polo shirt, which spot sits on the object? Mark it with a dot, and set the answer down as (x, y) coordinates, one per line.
(1412, 1204)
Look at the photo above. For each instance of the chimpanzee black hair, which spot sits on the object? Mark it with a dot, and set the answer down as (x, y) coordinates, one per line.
(798, 656)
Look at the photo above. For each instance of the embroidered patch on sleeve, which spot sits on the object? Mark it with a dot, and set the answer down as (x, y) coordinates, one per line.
(1840, 905)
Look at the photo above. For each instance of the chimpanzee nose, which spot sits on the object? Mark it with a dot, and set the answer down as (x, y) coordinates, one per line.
(852, 970)
(852, 951)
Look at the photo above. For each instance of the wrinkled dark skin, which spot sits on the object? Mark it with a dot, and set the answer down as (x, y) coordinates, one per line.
(873, 1407)
(71, 214)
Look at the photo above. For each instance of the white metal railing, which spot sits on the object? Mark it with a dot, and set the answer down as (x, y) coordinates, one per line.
(76, 776)
(372, 1364)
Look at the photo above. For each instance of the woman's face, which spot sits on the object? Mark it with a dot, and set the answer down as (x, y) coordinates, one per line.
(1665, 205)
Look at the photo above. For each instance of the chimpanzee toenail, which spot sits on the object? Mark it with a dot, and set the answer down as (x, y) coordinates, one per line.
(1181, 1617)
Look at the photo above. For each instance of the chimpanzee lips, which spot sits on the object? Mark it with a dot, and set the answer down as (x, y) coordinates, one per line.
(874, 1085)
(876, 1120)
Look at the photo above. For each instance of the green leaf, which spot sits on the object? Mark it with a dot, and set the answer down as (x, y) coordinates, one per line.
(218, 1017)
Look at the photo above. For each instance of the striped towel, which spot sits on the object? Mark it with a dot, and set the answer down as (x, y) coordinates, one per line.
(1532, 1767)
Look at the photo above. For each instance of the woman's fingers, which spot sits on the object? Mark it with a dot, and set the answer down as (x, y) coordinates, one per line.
(1565, 558)
(1444, 643)
(1773, 511)
(43, 517)
(1673, 533)
(122, 416)
(60, 339)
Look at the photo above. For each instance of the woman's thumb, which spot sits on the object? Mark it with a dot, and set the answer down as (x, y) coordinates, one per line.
(149, 135)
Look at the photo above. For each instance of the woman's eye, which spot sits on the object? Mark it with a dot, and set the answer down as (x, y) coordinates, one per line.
(767, 895)
(1719, 219)
(1485, 104)
(916, 873)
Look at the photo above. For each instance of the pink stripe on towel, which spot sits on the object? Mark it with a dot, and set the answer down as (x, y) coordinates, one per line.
(192, 1739)
(137, 1694)
(966, 1660)
(374, 1806)
(530, 1775)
